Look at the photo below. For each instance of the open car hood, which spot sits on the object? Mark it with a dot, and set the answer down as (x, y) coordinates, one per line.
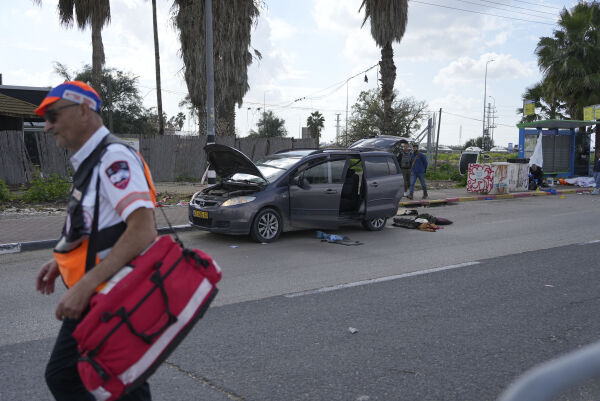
(227, 161)
(382, 142)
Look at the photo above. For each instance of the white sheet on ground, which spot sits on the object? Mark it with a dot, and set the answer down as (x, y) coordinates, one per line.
(585, 182)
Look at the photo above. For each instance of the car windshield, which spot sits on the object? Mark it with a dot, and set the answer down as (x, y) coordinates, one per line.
(271, 167)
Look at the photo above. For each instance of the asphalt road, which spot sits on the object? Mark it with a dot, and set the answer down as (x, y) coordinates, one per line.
(510, 284)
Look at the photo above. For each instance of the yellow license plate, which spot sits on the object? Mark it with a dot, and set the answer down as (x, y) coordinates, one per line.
(200, 214)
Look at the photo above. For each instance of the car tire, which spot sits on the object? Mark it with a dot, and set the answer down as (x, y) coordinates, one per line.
(376, 224)
(267, 226)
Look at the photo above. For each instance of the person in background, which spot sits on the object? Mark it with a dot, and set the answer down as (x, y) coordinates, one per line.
(418, 169)
(536, 177)
(596, 172)
(404, 160)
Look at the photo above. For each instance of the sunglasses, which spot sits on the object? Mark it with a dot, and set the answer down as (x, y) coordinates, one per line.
(52, 114)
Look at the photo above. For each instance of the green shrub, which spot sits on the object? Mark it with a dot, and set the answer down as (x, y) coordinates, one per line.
(4, 192)
(186, 178)
(51, 189)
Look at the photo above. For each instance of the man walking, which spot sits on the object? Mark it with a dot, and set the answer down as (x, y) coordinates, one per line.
(418, 170)
(404, 160)
(110, 220)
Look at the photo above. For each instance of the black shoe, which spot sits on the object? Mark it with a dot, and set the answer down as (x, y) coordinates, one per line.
(410, 196)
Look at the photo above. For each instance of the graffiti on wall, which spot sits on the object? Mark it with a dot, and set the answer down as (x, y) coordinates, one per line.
(480, 178)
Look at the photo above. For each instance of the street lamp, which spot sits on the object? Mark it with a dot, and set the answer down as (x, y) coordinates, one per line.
(484, 99)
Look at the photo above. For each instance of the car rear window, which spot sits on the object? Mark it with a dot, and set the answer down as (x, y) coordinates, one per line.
(376, 166)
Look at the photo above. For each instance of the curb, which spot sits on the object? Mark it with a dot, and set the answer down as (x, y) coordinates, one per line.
(491, 197)
(17, 247)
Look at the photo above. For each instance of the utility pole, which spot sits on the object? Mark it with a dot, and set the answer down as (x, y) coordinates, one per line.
(437, 141)
(161, 122)
(337, 129)
(210, 85)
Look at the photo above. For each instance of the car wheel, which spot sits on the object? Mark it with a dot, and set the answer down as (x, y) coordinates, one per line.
(266, 226)
(376, 224)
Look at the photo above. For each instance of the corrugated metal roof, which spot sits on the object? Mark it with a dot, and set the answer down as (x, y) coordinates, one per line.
(11, 107)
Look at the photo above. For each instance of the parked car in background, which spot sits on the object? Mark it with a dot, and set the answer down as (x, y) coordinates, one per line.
(297, 189)
(498, 149)
(389, 143)
(473, 149)
(444, 149)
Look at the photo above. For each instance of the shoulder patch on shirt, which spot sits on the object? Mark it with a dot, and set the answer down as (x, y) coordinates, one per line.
(118, 173)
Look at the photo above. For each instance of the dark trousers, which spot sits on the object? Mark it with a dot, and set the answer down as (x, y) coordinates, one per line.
(62, 376)
(406, 175)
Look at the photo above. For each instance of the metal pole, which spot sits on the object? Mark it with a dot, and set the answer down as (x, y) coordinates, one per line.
(346, 133)
(484, 99)
(161, 123)
(437, 141)
(210, 84)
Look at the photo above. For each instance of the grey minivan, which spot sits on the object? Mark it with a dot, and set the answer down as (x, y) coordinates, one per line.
(297, 189)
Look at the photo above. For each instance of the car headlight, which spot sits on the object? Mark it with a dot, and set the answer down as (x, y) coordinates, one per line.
(194, 196)
(238, 200)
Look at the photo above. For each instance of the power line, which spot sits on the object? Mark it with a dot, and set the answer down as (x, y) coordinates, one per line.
(477, 12)
(475, 119)
(503, 9)
(540, 5)
(521, 8)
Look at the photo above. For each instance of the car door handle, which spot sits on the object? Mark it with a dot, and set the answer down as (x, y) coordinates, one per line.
(330, 191)
(374, 184)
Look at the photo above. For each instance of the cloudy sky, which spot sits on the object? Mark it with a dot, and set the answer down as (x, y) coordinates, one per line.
(311, 49)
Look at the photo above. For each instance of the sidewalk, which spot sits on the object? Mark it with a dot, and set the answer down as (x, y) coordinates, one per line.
(21, 233)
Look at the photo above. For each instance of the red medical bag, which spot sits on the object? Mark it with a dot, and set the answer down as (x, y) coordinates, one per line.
(141, 315)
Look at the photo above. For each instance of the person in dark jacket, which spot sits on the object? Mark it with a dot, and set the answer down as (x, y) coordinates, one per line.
(418, 169)
(536, 177)
(597, 172)
(404, 160)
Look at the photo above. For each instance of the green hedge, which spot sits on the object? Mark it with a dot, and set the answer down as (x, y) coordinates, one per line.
(5, 195)
(51, 189)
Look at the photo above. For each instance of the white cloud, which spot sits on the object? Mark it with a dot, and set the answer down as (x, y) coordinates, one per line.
(498, 40)
(280, 29)
(465, 70)
(337, 16)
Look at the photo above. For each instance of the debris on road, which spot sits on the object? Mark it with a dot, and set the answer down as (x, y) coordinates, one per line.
(336, 239)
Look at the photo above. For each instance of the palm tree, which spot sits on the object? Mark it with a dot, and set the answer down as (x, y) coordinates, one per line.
(92, 13)
(388, 23)
(232, 24)
(315, 123)
(570, 61)
(549, 107)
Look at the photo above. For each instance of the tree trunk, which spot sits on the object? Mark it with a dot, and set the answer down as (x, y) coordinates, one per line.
(97, 56)
(388, 76)
(161, 123)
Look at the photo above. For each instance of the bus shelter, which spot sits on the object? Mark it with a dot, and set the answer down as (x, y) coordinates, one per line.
(565, 146)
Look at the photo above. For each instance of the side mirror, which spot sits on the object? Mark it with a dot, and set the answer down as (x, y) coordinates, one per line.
(300, 181)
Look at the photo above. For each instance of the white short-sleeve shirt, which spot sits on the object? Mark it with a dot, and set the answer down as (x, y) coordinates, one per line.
(123, 185)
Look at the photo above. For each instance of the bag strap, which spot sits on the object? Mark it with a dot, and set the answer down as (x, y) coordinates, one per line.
(90, 257)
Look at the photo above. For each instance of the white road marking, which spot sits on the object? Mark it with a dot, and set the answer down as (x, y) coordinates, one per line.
(379, 280)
